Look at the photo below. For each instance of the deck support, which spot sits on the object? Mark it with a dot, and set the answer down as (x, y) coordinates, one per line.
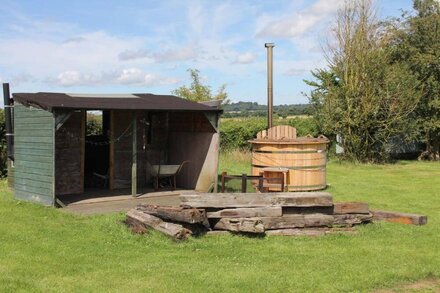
(134, 158)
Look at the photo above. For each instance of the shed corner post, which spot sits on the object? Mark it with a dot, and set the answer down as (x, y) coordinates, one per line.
(134, 157)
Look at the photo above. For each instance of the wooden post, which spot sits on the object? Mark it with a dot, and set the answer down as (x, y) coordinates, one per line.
(261, 182)
(223, 181)
(112, 151)
(243, 183)
(83, 148)
(134, 157)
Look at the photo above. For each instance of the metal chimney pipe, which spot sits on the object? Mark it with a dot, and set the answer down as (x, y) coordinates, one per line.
(8, 121)
(269, 47)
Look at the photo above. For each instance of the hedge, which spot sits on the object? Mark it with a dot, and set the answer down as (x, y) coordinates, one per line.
(235, 133)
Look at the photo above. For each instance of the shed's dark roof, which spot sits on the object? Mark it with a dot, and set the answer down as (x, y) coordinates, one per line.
(50, 101)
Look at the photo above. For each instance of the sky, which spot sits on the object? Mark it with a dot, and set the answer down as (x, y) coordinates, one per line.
(148, 46)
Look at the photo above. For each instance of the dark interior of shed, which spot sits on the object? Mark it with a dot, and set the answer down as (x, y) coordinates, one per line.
(97, 149)
(106, 155)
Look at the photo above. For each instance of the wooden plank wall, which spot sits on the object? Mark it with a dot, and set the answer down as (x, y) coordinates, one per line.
(174, 137)
(153, 152)
(193, 138)
(69, 147)
(34, 154)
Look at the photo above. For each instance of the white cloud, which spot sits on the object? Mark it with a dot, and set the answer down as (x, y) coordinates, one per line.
(181, 54)
(69, 78)
(75, 77)
(131, 76)
(136, 76)
(128, 76)
(133, 54)
(246, 58)
(43, 56)
(296, 24)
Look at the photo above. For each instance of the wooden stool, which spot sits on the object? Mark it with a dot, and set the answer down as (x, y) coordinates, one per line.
(275, 178)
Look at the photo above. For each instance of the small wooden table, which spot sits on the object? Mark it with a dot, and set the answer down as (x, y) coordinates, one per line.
(275, 174)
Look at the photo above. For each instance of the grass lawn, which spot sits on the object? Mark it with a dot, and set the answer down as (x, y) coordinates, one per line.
(44, 249)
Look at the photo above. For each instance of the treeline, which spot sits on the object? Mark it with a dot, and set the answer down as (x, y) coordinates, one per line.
(253, 109)
(382, 81)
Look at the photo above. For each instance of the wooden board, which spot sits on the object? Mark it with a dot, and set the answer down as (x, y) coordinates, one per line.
(201, 149)
(278, 132)
(175, 231)
(297, 221)
(121, 154)
(348, 220)
(351, 208)
(34, 157)
(402, 218)
(69, 152)
(247, 212)
(248, 225)
(310, 231)
(296, 232)
(176, 214)
(308, 210)
(235, 200)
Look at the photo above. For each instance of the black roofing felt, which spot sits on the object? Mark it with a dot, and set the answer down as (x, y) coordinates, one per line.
(50, 101)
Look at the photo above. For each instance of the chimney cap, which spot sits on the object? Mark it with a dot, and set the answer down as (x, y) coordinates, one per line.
(268, 45)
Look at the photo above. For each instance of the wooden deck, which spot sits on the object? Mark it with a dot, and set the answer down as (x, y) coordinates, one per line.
(105, 201)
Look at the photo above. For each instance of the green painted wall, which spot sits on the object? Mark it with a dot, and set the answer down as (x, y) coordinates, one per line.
(34, 154)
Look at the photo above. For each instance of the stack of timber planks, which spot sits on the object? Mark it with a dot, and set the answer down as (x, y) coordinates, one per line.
(294, 214)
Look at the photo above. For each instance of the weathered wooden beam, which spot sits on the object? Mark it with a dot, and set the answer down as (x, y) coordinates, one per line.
(310, 231)
(176, 214)
(112, 151)
(348, 220)
(296, 232)
(247, 212)
(236, 200)
(351, 208)
(318, 220)
(308, 210)
(284, 222)
(134, 157)
(402, 218)
(304, 199)
(82, 151)
(248, 225)
(135, 226)
(297, 221)
(175, 231)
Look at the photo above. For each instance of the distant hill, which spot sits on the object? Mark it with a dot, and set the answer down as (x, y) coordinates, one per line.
(245, 109)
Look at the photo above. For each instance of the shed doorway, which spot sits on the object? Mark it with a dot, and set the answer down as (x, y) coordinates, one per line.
(97, 150)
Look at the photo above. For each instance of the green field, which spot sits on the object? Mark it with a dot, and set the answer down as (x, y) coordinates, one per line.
(43, 249)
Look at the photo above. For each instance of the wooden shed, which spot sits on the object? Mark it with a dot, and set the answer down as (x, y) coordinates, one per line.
(55, 159)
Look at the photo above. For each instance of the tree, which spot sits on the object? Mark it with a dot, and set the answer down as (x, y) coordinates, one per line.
(361, 95)
(197, 92)
(416, 42)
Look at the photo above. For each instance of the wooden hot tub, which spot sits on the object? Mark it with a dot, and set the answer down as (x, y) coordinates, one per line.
(304, 157)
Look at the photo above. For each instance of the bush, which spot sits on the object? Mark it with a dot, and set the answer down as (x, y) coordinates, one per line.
(236, 133)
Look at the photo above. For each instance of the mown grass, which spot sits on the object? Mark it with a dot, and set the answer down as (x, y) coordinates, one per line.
(44, 249)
